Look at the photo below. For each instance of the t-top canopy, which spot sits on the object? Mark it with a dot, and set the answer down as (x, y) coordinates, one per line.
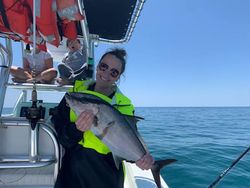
(106, 20)
(112, 19)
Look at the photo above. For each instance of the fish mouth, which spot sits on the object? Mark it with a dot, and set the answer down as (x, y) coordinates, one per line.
(67, 95)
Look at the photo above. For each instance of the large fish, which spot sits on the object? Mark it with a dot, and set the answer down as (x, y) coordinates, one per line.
(116, 130)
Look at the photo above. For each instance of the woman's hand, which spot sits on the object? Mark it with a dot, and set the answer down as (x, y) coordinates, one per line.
(145, 162)
(85, 120)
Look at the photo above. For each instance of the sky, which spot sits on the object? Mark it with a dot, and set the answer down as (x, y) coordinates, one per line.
(185, 53)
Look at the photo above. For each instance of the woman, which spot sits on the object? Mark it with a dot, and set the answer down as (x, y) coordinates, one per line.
(88, 163)
(42, 65)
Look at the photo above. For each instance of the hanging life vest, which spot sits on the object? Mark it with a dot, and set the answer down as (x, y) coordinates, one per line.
(46, 20)
(69, 30)
(121, 102)
(14, 19)
(68, 10)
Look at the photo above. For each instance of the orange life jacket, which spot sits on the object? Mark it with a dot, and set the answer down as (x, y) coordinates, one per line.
(46, 21)
(68, 10)
(14, 19)
(69, 30)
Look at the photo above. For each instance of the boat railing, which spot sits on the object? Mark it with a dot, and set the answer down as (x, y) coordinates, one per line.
(22, 98)
(31, 159)
(5, 63)
(39, 87)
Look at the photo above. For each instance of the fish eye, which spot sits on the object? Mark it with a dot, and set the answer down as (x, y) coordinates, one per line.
(111, 123)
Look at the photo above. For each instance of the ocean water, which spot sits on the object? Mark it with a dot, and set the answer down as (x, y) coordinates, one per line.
(204, 140)
(7, 110)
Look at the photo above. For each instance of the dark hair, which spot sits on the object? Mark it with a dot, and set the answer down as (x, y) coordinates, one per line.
(119, 53)
(68, 41)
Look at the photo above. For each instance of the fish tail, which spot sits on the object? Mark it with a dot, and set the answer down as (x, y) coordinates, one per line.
(157, 167)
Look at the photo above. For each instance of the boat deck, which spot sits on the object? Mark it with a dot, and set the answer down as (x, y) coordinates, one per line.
(39, 87)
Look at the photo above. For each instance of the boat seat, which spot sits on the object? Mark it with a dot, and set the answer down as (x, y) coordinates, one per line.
(15, 149)
(25, 178)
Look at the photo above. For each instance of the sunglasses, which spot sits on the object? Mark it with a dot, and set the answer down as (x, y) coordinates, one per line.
(113, 72)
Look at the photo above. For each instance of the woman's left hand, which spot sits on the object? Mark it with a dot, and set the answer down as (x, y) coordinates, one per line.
(85, 120)
(145, 162)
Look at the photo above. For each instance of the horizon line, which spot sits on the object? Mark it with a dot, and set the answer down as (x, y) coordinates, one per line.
(231, 106)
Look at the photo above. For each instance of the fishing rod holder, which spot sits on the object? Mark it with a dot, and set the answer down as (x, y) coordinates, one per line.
(34, 114)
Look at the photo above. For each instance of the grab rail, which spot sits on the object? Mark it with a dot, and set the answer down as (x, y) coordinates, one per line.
(6, 57)
(8, 162)
(39, 87)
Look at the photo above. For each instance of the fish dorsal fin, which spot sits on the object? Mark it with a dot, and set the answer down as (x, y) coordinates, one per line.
(88, 98)
(132, 120)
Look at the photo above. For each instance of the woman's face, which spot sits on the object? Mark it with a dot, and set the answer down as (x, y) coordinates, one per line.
(108, 70)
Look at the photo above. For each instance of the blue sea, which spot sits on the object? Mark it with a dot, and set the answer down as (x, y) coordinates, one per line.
(204, 140)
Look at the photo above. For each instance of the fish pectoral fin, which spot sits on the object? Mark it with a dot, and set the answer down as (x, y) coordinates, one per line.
(117, 161)
(105, 130)
(157, 167)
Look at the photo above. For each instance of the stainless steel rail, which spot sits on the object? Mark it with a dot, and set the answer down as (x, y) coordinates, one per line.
(84, 26)
(6, 58)
(35, 161)
(39, 87)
